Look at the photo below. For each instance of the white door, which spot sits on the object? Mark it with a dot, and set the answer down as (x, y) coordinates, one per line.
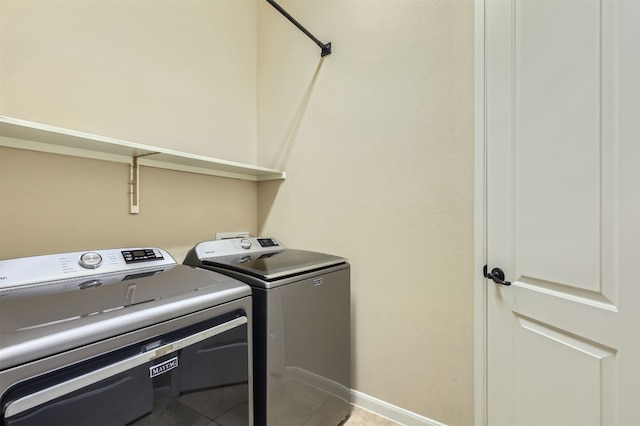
(562, 140)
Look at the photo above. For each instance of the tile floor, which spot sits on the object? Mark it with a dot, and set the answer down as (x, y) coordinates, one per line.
(361, 417)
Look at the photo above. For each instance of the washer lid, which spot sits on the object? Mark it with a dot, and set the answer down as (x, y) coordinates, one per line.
(35, 324)
(274, 265)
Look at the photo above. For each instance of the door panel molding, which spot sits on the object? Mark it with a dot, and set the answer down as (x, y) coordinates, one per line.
(573, 341)
(583, 386)
(575, 294)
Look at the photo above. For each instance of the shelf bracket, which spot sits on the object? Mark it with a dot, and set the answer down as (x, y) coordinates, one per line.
(326, 47)
(134, 183)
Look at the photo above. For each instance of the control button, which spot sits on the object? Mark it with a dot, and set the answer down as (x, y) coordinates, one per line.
(245, 244)
(90, 260)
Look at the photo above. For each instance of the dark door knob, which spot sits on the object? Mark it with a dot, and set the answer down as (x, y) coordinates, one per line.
(496, 274)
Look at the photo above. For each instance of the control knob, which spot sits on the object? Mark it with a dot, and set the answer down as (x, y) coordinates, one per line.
(245, 243)
(90, 260)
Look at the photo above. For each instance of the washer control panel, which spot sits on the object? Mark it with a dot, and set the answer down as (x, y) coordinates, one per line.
(65, 266)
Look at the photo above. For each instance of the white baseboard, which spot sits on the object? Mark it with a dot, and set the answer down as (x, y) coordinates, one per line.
(390, 411)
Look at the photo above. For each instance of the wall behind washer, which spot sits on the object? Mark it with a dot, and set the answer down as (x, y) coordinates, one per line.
(54, 203)
(377, 143)
(170, 73)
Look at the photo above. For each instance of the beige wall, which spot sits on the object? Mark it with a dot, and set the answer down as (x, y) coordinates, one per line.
(171, 73)
(377, 143)
(54, 203)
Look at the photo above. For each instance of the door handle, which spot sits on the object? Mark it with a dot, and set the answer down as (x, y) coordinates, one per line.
(496, 274)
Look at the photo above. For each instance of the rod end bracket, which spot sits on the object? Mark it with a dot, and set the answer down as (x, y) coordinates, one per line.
(326, 49)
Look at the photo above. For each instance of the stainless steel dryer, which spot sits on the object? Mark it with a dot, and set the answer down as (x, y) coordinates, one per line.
(301, 302)
(123, 336)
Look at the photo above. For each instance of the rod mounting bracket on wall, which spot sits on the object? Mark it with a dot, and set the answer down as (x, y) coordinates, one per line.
(326, 47)
(134, 183)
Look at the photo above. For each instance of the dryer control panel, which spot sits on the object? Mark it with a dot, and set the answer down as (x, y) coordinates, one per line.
(235, 246)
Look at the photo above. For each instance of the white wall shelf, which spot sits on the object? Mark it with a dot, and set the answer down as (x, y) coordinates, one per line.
(22, 134)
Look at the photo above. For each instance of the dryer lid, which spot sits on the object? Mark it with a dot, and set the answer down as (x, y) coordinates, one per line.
(275, 265)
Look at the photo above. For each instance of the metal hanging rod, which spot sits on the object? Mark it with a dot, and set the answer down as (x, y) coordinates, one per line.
(326, 47)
